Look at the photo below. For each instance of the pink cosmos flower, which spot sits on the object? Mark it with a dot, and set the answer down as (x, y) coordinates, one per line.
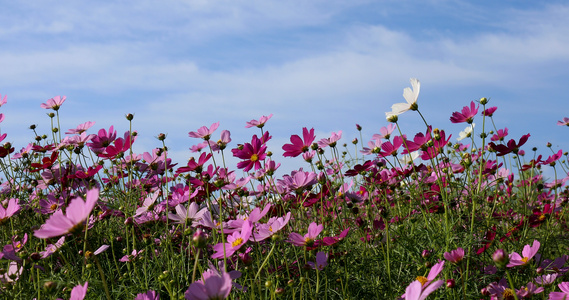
(150, 295)
(204, 132)
(234, 241)
(211, 286)
(74, 219)
(500, 135)
(384, 132)
(13, 273)
(260, 123)
(374, 147)
(331, 141)
(466, 115)
(455, 256)
(189, 216)
(3, 100)
(415, 290)
(565, 122)
(12, 208)
(80, 128)
(252, 153)
(298, 180)
(222, 142)
(528, 253)
(102, 139)
(51, 248)
(299, 146)
(264, 231)
(79, 292)
(530, 290)
(391, 148)
(134, 254)
(53, 103)
(564, 294)
(308, 239)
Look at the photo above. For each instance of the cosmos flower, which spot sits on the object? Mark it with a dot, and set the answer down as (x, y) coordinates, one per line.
(204, 132)
(528, 253)
(466, 115)
(308, 239)
(260, 123)
(410, 96)
(211, 286)
(74, 219)
(299, 145)
(234, 241)
(53, 103)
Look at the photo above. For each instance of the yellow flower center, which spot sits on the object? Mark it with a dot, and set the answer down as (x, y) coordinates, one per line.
(254, 157)
(422, 279)
(508, 294)
(237, 242)
(270, 229)
(525, 260)
(53, 206)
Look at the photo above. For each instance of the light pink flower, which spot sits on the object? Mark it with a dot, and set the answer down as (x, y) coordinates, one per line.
(565, 122)
(51, 248)
(79, 292)
(415, 290)
(74, 219)
(528, 253)
(308, 239)
(211, 286)
(189, 216)
(80, 128)
(204, 132)
(260, 123)
(12, 208)
(150, 295)
(53, 103)
(564, 294)
(331, 141)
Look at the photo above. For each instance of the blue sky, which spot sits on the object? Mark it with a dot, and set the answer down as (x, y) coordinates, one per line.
(179, 65)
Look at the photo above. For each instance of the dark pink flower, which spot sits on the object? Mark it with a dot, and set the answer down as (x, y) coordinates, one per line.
(489, 111)
(299, 146)
(466, 115)
(260, 123)
(500, 135)
(53, 103)
(252, 153)
(103, 139)
(510, 147)
(74, 219)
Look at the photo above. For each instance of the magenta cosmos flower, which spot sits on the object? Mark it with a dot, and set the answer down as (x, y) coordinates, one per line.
(234, 241)
(260, 123)
(252, 153)
(211, 286)
(466, 115)
(74, 219)
(528, 253)
(299, 146)
(53, 103)
(150, 295)
(204, 132)
(308, 239)
(78, 292)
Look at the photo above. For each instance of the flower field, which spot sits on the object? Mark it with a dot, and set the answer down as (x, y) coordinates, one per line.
(405, 215)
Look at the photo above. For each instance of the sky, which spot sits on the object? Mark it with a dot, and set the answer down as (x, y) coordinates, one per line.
(328, 65)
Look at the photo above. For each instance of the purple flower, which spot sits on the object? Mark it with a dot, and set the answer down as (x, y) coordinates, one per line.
(321, 261)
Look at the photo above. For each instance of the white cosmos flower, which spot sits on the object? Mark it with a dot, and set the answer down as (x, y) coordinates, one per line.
(467, 132)
(409, 158)
(410, 96)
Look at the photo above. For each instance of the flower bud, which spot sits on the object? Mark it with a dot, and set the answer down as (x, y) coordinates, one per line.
(500, 258)
(199, 239)
(483, 101)
(129, 117)
(450, 283)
